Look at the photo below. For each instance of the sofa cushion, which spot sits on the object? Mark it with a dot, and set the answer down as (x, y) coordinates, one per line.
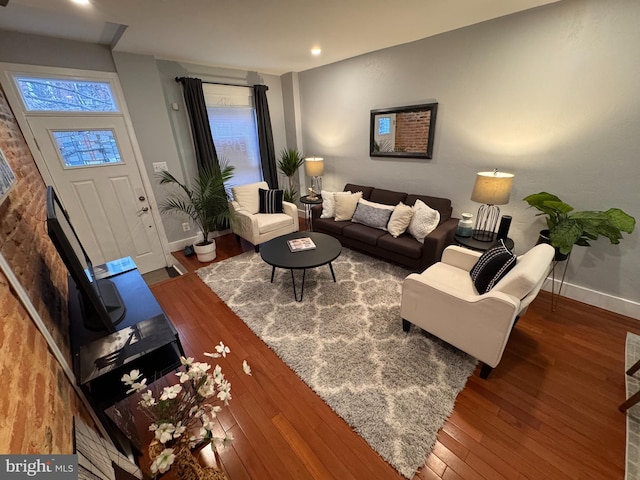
(404, 245)
(270, 200)
(247, 196)
(443, 205)
(400, 219)
(353, 188)
(329, 225)
(372, 214)
(387, 197)
(492, 265)
(346, 206)
(362, 233)
(424, 220)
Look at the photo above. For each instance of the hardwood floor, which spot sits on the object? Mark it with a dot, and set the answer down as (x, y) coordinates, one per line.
(548, 411)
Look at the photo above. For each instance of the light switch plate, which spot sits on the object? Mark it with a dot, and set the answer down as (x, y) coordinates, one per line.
(160, 167)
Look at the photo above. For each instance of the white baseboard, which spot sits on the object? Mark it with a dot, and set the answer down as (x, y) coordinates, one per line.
(180, 244)
(605, 301)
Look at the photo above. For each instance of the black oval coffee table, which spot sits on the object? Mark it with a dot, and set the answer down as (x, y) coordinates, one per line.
(276, 253)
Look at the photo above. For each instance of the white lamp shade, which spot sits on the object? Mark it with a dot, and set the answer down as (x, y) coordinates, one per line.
(314, 166)
(492, 188)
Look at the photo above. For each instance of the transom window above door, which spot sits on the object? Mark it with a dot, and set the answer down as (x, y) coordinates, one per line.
(41, 94)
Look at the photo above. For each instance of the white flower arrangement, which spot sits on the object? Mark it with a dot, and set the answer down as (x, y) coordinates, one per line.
(184, 413)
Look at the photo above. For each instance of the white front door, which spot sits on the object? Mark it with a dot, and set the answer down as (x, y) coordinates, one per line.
(92, 163)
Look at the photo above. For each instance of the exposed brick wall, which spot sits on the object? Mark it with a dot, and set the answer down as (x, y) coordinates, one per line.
(37, 402)
(412, 131)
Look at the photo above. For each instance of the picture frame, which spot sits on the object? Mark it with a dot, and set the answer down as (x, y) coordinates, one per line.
(403, 132)
(7, 177)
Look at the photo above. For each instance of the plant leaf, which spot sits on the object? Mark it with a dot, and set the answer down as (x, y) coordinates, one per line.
(290, 161)
(565, 235)
(621, 220)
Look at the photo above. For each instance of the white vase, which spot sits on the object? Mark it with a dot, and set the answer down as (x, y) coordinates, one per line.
(465, 225)
(206, 252)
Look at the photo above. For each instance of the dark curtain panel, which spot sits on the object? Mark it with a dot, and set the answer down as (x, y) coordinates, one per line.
(197, 110)
(265, 137)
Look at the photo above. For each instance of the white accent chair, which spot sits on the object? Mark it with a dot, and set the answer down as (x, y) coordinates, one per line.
(256, 227)
(443, 301)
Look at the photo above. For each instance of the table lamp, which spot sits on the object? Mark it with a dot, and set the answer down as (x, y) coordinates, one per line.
(314, 167)
(491, 189)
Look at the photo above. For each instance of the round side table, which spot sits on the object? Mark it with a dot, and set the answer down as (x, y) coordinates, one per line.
(473, 244)
(308, 203)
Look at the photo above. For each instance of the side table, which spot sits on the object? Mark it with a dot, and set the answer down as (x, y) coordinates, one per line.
(308, 203)
(473, 244)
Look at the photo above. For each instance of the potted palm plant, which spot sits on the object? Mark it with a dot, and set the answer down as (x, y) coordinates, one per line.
(290, 161)
(205, 203)
(567, 227)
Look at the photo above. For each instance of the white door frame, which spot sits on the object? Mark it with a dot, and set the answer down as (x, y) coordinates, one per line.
(7, 73)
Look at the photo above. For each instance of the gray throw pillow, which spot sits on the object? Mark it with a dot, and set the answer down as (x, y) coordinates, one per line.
(372, 214)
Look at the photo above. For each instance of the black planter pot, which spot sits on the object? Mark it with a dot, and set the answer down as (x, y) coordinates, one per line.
(543, 237)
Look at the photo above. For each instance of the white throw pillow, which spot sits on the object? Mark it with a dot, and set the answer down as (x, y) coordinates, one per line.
(400, 219)
(424, 221)
(346, 205)
(328, 204)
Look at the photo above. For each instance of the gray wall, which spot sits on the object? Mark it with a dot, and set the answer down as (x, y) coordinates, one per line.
(549, 94)
(54, 52)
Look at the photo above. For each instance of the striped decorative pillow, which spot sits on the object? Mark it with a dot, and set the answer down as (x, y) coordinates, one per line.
(494, 264)
(271, 201)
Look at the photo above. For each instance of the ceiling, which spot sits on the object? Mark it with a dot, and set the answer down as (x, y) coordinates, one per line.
(269, 36)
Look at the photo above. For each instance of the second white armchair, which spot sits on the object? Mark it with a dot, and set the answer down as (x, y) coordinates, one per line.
(443, 301)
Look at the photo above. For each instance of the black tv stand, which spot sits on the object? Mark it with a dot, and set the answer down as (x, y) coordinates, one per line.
(145, 339)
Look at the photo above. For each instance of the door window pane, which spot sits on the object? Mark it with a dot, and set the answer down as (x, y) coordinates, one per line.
(236, 140)
(83, 148)
(61, 95)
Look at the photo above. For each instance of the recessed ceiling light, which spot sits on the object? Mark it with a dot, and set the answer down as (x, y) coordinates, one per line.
(81, 2)
(315, 51)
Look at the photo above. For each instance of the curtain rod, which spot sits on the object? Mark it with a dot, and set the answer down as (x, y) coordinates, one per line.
(179, 79)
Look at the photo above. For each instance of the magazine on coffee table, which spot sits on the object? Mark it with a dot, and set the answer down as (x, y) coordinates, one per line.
(301, 244)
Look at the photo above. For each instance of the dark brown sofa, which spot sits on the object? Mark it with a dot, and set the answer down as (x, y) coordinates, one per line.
(404, 250)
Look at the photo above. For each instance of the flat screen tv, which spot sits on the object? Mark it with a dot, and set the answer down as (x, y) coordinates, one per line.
(101, 303)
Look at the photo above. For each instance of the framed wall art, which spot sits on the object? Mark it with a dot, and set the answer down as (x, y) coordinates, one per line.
(403, 131)
(7, 177)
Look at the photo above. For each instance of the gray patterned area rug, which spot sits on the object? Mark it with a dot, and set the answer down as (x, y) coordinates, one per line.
(632, 354)
(345, 340)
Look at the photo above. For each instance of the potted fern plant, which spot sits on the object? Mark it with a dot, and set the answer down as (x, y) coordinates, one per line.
(567, 227)
(205, 203)
(290, 161)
